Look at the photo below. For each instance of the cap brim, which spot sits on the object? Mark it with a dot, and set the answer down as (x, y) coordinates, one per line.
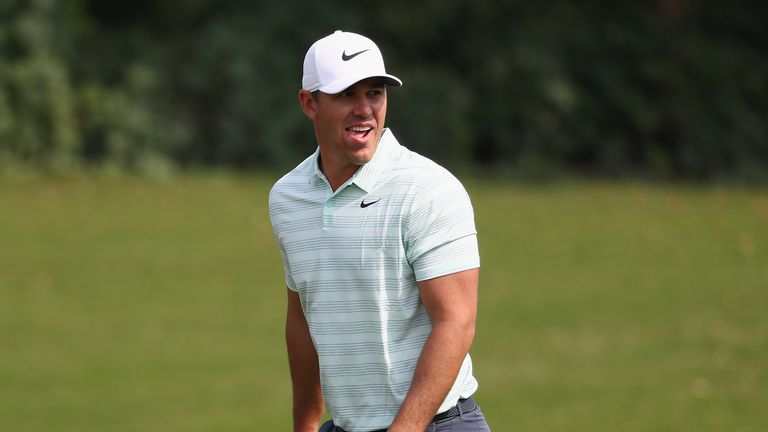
(344, 83)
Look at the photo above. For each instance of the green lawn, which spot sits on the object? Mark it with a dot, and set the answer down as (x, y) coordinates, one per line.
(138, 305)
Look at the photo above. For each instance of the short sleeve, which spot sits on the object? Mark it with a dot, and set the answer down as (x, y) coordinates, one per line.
(440, 236)
(273, 194)
(286, 266)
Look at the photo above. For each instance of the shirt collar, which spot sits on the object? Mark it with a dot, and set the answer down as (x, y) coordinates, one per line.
(365, 178)
(314, 167)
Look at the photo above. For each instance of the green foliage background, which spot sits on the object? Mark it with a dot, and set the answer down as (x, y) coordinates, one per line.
(664, 89)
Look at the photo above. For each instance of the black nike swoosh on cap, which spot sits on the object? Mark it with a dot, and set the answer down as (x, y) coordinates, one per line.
(346, 57)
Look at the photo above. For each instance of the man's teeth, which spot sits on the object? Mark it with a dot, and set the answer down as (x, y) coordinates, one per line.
(360, 128)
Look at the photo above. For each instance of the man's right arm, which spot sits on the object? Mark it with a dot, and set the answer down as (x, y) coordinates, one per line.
(305, 371)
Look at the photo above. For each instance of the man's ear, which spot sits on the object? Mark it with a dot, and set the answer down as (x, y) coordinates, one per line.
(308, 104)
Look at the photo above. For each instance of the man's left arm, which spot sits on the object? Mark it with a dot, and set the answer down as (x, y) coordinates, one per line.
(451, 303)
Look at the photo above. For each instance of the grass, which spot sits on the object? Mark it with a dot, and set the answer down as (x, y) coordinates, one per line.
(137, 305)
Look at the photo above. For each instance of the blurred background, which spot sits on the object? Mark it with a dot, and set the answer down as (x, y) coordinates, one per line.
(616, 153)
(651, 89)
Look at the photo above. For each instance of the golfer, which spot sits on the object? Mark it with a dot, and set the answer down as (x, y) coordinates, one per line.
(381, 262)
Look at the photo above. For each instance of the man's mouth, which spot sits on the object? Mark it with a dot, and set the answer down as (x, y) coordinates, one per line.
(360, 131)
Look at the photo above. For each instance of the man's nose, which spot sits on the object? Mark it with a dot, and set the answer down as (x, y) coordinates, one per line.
(363, 107)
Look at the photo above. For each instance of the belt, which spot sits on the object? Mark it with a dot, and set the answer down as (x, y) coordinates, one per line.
(463, 406)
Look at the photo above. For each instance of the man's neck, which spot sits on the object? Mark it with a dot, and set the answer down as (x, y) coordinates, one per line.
(337, 177)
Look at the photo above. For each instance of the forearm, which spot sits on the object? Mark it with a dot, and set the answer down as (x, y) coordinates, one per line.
(436, 371)
(305, 372)
(451, 303)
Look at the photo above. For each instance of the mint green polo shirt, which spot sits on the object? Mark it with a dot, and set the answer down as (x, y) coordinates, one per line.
(354, 257)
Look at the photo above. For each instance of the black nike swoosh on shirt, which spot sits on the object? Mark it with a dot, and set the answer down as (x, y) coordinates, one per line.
(346, 57)
(364, 204)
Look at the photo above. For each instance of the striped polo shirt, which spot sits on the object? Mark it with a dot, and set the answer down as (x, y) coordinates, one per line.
(354, 257)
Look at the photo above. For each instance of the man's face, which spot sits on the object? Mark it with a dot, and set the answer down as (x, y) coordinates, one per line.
(349, 124)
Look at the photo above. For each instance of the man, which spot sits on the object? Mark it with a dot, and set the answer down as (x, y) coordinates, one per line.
(381, 262)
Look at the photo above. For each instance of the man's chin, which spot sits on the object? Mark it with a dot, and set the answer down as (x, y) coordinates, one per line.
(361, 153)
(360, 159)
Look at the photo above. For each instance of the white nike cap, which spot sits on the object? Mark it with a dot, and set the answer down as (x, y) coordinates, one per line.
(336, 62)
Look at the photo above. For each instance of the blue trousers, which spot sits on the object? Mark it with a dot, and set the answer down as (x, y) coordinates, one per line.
(472, 421)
